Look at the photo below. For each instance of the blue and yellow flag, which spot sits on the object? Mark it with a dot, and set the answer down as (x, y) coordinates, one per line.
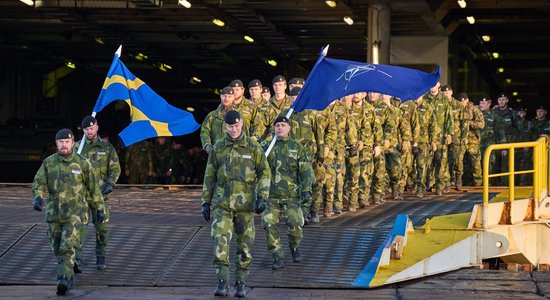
(151, 115)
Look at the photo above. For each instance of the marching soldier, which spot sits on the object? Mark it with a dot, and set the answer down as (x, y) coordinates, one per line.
(244, 106)
(255, 91)
(279, 102)
(492, 133)
(425, 145)
(509, 120)
(471, 141)
(213, 128)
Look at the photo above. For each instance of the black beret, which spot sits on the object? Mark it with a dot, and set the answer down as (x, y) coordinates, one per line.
(64, 133)
(296, 81)
(254, 83)
(521, 108)
(462, 96)
(446, 88)
(232, 117)
(502, 95)
(88, 121)
(227, 90)
(541, 107)
(265, 89)
(295, 91)
(281, 119)
(278, 78)
(236, 83)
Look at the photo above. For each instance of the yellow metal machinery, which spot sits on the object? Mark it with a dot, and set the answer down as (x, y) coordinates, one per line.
(513, 226)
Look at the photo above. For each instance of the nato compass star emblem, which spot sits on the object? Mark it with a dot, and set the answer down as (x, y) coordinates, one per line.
(355, 70)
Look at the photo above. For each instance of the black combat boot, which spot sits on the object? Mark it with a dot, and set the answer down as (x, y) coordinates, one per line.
(296, 256)
(222, 289)
(240, 290)
(77, 268)
(62, 286)
(278, 263)
(314, 217)
(100, 263)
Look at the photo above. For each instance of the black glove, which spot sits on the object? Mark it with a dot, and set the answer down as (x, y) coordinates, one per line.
(100, 216)
(37, 203)
(306, 197)
(205, 210)
(320, 159)
(260, 205)
(352, 151)
(107, 188)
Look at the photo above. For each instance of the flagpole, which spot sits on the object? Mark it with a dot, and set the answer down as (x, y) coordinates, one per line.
(291, 110)
(81, 146)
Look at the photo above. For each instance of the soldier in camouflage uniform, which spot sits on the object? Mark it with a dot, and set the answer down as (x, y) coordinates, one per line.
(459, 133)
(66, 177)
(139, 163)
(266, 94)
(444, 120)
(246, 107)
(104, 159)
(352, 174)
(492, 133)
(471, 141)
(295, 82)
(523, 156)
(270, 111)
(541, 124)
(509, 120)
(213, 128)
(425, 145)
(410, 119)
(291, 180)
(236, 184)
(180, 163)
(346, 137)
(372, 142)
(161, 159)
(383, 114)
(325, 135)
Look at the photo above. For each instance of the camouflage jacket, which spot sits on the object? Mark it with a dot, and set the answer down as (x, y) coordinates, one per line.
(264, 121)
(104, 159)
(508, 119)
(426, 121)
(525, 130)
(389, 117)
(247, 109)
(442, 114)
(492, 133)
(291, 170)
(325, 131)
(460, 121)
(540, 127)
(139, 156)
(67, 180)
(213, 127)
(237, 171)
(474, 123)
(347, 134)
(410, 116)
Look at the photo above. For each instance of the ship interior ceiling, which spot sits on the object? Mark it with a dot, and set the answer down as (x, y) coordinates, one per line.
(507, 48)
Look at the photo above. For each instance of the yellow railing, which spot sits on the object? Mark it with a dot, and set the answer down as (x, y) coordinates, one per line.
(541, 180)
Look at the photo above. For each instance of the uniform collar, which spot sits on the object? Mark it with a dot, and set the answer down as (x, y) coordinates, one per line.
(231, 141)
(63, 158)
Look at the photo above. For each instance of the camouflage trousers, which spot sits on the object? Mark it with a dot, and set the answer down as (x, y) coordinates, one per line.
(365, 176)
(407, 170)
(352, 180)
(393, 167)
(101, 233)
(223, 225)
(471, 155)
(320, 178)
(379, 176)
(306, 206)
(438, 170)
(334, 182)
(294, 220)
(455, 167)
(64, 237)
(422, 159)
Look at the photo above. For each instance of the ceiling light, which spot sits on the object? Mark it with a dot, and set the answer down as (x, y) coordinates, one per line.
(461, 3)
(514, 93)
(486, 38)
(165, 67)
(508, 80)
(196, 79)
(248, 38)
(141, 56)
(184, 3)
(70, 64)
(272, 62)
(519, 100)
(218, 22)
(501, 70)
(496, 55)
(99, 41)
(28, 2)
(190, 109)
(331, 3)
(471, 19)
(348, 20)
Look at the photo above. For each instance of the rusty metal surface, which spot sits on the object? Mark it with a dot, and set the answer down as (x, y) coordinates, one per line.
(158, 238)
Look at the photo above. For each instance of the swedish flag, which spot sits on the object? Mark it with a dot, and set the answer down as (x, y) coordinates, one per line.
(151, 115)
